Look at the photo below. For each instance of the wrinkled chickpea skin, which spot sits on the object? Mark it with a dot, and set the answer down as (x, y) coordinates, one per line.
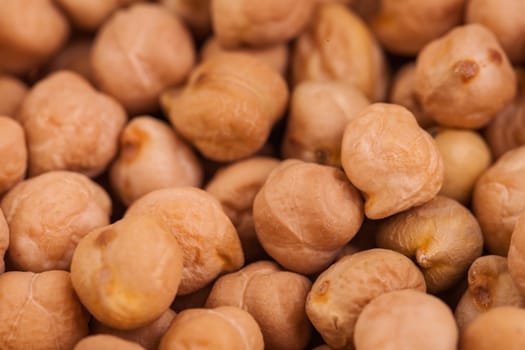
(516, 257)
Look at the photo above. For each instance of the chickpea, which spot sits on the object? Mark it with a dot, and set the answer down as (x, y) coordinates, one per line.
(229, 106)
(210, 245)
(305, 214)
(386, 155)
(106, 342)
(40, 311)
(235, 186)
(499, 198)
(31, 32)
(70, 126)
(319, 113)
(258, 288)
(152, 157)
(516, 260)
(4, 240)
(195, 13)
(13, 92)
(132, 61)
(338, 46)
(13, 154)
(194, 300)
(464, 78)
(226, 328)
(75, 57)
(394, 321)
(127, 274)
(341, 292)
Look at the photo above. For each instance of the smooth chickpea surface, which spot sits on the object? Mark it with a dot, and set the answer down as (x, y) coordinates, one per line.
(106, 342)
(406, 320)
(48, 215)
(341, 292)
(319, 113)
(221, 328)
(195, 13)
(275, 298)
(208, 239)
(13, 153)
(127, 274)
(464, 78)
(385, 141)
(132, 60)
(13, 92)
(516, 256)
(4, 240)
(152, 157)
(40, 311)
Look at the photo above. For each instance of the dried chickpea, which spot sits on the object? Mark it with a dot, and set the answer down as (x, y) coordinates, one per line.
(106, 342)
(13, 154)
(274, 298)
(499, 198)
(464, 78)
(225, 328)
(40, 311)
(235, 186)
(4, 240)
(195, 13)
(406, 319)
(48, 215)
(338, 46)
(319, 112)
(31, 31)
(305, 213)
(341, 292)
(132, 60)
(209, 242)
(152, 157)
(13, 92)
(499, 328)
(74, 57)
(442, 236)
(229, 106)
(386, 155)
(127, 274)
(70, 126)
(516, 257)
(489, 286)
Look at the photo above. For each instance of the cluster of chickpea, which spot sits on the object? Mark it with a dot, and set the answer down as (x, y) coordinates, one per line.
(278, 174)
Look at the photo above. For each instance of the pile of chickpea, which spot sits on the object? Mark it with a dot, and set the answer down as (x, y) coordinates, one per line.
(249, 175)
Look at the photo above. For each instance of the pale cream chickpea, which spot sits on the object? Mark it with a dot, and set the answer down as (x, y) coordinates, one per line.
(13, 92)
(106, 342)
(408, 320)
(70, 126)
(127, 274)
(195, 13)
(516, 256)
(48, 215)
(305, 213)
(464, 78)
(221, 328)
(40, 311)
(13, 154)
(275, 298)
(394, 162)
(319, 113)
(152, 156)
(132, 60)
(210, 244)
(4, 240)
(74, 57)
(341, 292)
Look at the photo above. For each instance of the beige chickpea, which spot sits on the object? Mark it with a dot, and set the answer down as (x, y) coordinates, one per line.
(152, 157)
(13, 92)
(516, 256)
(341, 292)
(4, 240)
(48, 215)
(442, 236)
(489, 286)
(195, 13)
(13, 154)
(504, 19)
(499, 198)
(31, 31)
(274, 298)
(235, 186)
(70, 126)
(208, 239)
(229, 106)
(464, 78)
(338, 46)
(319, 113)
(499, 328)
(74, 57)
(106, 342)
(127, 274)
(222, 328)
(386, 155)
(466, 156)
(305, 214)
(406, 319)
(40, 311)
(132, 60)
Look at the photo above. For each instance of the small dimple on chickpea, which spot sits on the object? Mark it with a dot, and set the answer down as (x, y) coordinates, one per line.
(4, 240)
(13, 154)
(106, 342)
(13, 92)
(195, 13)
